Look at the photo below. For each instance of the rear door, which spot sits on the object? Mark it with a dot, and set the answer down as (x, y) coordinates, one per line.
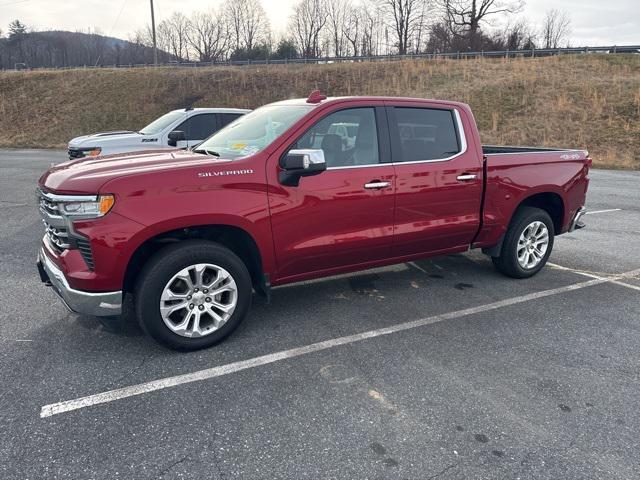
(439, 179)
(343, 216)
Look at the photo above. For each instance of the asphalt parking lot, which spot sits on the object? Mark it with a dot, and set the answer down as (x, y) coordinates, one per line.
(440, 368)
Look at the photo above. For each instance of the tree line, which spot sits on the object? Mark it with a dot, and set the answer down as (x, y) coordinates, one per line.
(24, 48)
(240, 30)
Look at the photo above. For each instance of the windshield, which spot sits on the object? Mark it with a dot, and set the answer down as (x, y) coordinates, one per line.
(159, 124)
(253, 132)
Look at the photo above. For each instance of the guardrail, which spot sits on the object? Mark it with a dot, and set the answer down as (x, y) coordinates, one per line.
(541, 52)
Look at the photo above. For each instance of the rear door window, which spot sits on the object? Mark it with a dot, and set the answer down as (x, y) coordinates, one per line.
(227, 118)
(426, 134)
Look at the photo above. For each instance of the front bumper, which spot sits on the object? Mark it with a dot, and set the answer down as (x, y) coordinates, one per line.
(99, 304)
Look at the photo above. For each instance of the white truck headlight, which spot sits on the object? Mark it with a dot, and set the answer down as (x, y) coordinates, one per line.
(92, 151)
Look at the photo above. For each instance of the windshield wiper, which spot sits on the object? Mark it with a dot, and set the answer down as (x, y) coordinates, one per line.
(206, 152)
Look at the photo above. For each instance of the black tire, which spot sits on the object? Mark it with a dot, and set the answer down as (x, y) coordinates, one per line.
(162, 266)
(507, 263)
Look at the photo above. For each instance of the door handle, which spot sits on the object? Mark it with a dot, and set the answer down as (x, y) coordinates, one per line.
(466, 177)
(376, 185)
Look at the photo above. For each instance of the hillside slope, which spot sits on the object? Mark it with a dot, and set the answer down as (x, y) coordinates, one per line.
(585, 101)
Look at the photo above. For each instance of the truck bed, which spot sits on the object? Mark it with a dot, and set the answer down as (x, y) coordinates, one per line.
(557, 177)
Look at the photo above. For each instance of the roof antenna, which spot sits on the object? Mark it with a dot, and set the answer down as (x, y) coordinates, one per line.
(316, 97)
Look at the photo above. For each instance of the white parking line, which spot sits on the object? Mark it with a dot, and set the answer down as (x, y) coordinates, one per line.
(121, 393)
(593, 275)
(603, 211)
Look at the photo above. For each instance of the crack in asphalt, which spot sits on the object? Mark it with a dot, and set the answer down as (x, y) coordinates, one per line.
(133, 370)
(165, 470)
(444, 470)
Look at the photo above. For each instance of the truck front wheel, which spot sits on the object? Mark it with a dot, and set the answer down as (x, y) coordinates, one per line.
(527, 243)
(192, 294)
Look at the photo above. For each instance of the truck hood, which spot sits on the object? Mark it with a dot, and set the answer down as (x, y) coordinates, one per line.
(86, 176)
(106, 139)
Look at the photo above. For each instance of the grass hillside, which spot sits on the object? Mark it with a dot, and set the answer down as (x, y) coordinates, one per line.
(583, 101)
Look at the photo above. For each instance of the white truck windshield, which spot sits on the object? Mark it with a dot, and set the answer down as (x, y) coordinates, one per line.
(159, 124)
(253, 132)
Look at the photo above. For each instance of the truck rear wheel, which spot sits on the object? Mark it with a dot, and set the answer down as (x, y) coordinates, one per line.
(192, 294)
(527, 243)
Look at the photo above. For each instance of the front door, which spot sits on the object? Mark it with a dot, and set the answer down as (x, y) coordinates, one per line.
(197, 128)
(343, 216)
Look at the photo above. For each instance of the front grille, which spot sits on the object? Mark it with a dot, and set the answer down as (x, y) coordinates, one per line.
(85, 250)
(59, 231)
(48, 206)
(58, 236)
(75, 153)
(55, 225)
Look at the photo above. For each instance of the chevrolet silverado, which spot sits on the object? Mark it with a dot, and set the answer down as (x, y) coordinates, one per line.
(296, 190)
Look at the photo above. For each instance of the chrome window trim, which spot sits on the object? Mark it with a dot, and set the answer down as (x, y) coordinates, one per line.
(368, 165)
(463, 149)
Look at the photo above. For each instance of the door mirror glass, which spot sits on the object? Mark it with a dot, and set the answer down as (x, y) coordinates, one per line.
(301, 163)
(175, 137)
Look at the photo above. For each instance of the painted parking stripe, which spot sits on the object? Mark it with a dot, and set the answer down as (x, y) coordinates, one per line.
(219, 371)
(593, 275)
(603, 211)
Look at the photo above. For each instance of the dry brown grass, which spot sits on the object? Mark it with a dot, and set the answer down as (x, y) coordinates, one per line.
(585, 101)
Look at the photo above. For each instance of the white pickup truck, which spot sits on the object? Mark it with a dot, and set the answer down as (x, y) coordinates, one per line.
(178, 128)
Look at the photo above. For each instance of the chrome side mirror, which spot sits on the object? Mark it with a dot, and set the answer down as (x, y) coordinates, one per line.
(175, 137)
(301, 163)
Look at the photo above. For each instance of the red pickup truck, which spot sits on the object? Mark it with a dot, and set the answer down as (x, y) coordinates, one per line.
(295, 190)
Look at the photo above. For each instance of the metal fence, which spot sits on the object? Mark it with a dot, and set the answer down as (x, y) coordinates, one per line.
(532, 53)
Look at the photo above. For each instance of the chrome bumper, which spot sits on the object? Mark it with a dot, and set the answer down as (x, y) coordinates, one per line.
(89, 303)
(575, 223)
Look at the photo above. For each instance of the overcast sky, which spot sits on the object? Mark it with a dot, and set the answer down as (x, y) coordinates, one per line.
(594, 22)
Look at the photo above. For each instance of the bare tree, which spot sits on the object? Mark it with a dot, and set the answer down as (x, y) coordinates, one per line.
(351, 28)
(465, 17)
(518, 37)
(555, 29)
(307, 21)
(208, 35)
(420, 34)
(177, 30)
(338, 13)
(405, 17)
(373, 29)
(248, 23)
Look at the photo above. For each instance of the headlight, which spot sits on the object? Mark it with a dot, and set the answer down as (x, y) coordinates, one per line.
(92, 152)
(87, 209)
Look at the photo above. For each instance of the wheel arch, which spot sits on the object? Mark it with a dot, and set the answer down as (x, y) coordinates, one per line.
(235, 238)
(549, 201)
